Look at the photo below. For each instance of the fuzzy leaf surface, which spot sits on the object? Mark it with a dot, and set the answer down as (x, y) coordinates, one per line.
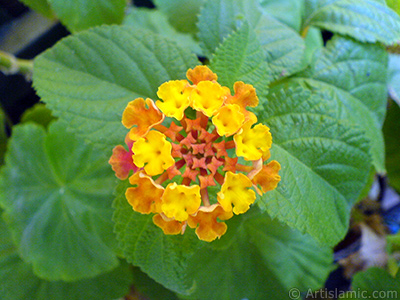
(283, 47)
(18, 282)
(57, 194)
(325, 163)
(243, 48)
(366, 21)
(81, 80)
(353, 75)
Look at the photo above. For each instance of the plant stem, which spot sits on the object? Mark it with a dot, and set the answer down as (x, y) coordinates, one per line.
(9, 64)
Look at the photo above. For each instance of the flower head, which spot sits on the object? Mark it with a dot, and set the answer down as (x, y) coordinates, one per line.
(174, 156)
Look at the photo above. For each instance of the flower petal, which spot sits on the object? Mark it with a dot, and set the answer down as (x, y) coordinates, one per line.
(179, 201)
(168, 227)
(201, 73)
(252, 143)
(153, 152)
(245, 95)
(208, 97)
(268, 177)
(208, 228)
(228, 120)
(121, 162)
(143, 115)
(235, 192)
(175, 96)
(145, 196)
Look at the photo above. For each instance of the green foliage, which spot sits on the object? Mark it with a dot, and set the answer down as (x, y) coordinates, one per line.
(92, 87)
(157, 22)
(366, 21)
(283, 47)
(324, 105)
(353, 77)
(182, 14)
(391, 131)
(78, 15)
(324, 163)
(162, 257)
(374, 283)
(38, 114)
(18, 282)
(245, 267)
(243, 48)
(394, 4)
(41, 6)
(286, 11)
(57, 192)
(262, 262)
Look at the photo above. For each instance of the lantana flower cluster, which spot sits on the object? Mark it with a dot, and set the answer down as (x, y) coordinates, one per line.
(196, 157)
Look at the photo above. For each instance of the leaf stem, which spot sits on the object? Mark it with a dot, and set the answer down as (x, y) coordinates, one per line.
(9, 64)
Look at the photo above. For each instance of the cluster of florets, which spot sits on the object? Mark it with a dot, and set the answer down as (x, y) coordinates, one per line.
(196, 154)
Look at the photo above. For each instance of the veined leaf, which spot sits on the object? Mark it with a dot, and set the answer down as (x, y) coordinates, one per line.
(157, 22)
(163, 257)
(325, 163)
(78, 15)
(242, 48)
(283, 47)
(391, 132)
(353, 75)
(182, 14)
(57, 193)
(88, 79)
(18, 282)
(264, 261)
(366, 21)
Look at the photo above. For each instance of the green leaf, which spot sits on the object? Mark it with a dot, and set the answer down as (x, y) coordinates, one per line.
(288, 12)
(366, 21)
(374, 283)
(38, 114)
(265, 260)
(163, 257)
(394, 77)
(182, 14)
(314, 42)
(57, 194)
(395, 5)
(219, 18)
(3, 136)
(353, 76)
(243, 48)
(18, 282)
(283, 47)
(79, 15)
(88, 79)
(157, 22)
(325, 163)
(41, 6)
(391, 130)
